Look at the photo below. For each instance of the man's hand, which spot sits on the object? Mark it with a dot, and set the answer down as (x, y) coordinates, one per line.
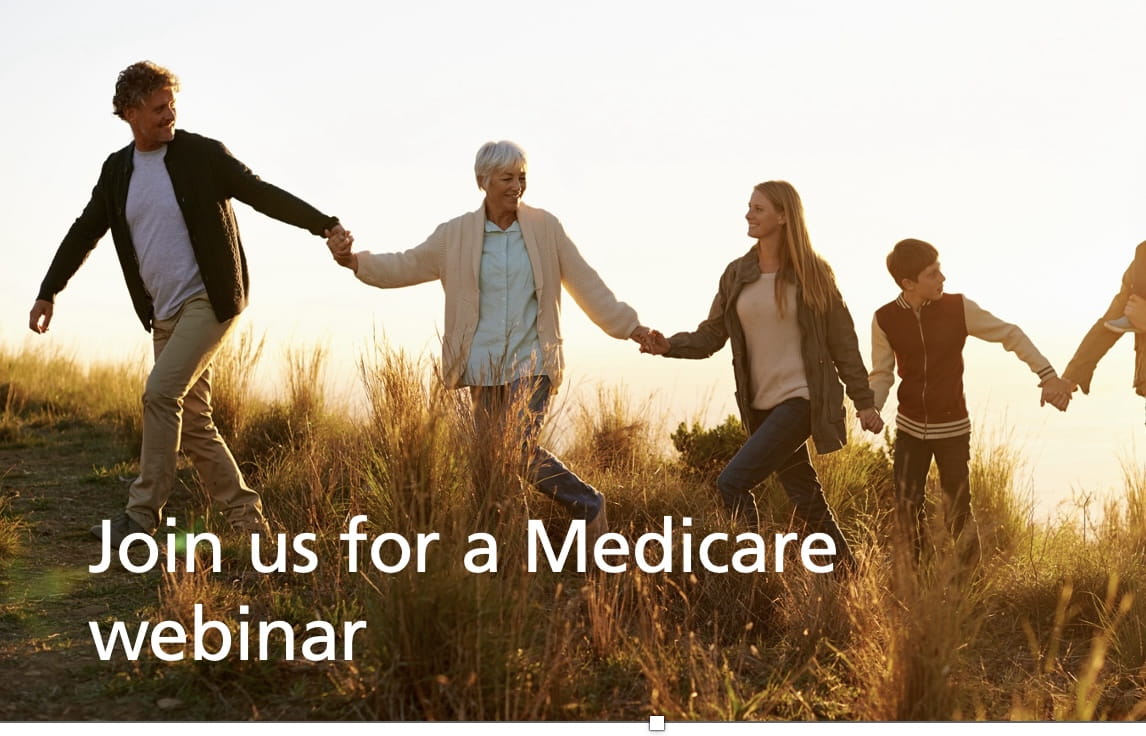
(870, 420)
(339, 240)
(40, 316)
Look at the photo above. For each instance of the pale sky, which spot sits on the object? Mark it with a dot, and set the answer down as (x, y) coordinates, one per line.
(1009, 135)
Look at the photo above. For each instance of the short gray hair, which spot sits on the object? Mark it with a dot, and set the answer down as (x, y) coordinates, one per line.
(497, 156)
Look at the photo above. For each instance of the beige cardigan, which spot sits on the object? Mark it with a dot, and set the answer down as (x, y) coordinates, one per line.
(452, 254)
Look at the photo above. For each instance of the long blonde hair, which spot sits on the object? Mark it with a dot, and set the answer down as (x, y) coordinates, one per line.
(799, 262)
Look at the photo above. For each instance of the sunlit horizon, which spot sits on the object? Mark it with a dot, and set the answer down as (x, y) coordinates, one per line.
(1009, 136)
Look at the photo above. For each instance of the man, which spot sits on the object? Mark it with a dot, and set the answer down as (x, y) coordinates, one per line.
(166, 199)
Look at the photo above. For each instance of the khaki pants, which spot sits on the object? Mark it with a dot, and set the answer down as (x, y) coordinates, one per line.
(177, 412)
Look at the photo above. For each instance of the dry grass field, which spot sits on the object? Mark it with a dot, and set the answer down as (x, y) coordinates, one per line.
(1051, 626)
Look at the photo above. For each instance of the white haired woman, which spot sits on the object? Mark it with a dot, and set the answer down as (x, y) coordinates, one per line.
(502, 267)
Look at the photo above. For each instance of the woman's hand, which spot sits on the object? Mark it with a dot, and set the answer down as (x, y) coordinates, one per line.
(339, 241)
(870, 420)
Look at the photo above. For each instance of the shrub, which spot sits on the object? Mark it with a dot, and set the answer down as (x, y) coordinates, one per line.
(705, 451)
(610, 434)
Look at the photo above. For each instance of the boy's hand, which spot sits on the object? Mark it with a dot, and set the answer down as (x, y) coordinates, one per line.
(870, 420)
(1056, 392)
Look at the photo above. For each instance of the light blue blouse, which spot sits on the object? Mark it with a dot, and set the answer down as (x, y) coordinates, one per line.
(505, 346)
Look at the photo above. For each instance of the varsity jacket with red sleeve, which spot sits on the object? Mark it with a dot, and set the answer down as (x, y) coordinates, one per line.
(927, 347)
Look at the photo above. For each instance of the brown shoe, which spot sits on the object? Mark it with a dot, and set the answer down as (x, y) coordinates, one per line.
(118, 529)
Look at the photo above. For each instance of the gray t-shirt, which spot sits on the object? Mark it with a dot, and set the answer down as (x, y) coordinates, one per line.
(162, 244)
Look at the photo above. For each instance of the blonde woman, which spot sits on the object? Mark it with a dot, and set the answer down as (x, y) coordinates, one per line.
(793, 340)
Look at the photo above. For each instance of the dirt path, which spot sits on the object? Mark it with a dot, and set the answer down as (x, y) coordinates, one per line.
(57, 481)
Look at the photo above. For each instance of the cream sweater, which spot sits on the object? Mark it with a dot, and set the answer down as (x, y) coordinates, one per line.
(775, 362)
(452, 255)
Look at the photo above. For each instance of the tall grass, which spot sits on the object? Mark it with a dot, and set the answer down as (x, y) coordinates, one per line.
(44, 385)
(1051, 624)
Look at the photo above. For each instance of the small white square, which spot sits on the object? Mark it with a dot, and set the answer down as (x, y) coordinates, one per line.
(656, 723)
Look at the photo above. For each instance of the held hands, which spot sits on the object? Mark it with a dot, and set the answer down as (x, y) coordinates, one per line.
(1057, 392)
(40, 316)
(652, 342)
(870, 420)
(339, 241)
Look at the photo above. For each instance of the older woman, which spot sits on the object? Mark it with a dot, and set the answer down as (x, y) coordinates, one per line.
(502, 267)
(792, 342)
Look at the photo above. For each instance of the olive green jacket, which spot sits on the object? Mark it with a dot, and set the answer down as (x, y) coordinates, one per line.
(827, 341)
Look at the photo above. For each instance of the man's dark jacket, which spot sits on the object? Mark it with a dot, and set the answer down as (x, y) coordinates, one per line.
(204, 176)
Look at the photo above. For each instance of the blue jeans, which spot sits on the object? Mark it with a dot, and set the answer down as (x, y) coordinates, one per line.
(912, 464)
(778, 444)
(492, 408)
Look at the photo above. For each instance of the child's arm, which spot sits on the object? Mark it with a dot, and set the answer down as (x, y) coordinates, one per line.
(986, 326)
(882, 376)
(1099, 340)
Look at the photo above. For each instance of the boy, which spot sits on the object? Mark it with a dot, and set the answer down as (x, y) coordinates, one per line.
(923, 331)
